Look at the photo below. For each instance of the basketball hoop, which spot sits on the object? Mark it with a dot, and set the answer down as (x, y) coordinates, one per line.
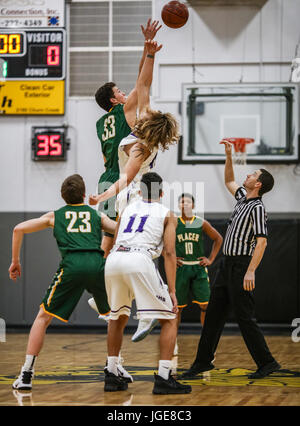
(240, 152)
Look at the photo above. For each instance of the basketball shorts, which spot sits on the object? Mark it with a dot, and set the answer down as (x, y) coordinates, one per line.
(192, 279)
(126, 196)
(133, 275)
(78, 271)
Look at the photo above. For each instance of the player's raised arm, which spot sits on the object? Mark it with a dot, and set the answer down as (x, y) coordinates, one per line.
(230, 183)
(130, 106)
(145, 78)
(149, 33)
(27, 227)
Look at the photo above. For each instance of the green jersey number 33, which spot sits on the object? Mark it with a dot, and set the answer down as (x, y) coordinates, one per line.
(109, 128)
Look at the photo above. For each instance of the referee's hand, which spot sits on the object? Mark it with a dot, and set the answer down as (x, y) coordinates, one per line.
(228, 146)
(249, 281)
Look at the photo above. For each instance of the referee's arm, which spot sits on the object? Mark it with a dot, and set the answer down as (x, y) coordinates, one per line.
(230, 183)
(260, 232)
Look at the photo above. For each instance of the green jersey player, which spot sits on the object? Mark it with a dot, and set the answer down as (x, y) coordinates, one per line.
(77, 230)
(112, 127)
(192, 275)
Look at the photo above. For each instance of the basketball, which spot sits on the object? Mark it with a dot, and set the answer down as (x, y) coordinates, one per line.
(175, 14)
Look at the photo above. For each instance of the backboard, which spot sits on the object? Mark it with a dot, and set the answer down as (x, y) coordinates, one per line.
(268, 113)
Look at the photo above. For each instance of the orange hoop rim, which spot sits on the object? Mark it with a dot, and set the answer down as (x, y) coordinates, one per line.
(239, 143)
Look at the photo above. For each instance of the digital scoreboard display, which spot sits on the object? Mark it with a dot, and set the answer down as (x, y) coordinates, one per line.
(33, 54)
(49, 144)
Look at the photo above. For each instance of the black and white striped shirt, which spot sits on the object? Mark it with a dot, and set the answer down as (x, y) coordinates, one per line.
(248, 221)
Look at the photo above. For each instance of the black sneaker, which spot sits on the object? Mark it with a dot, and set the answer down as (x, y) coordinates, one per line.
(196, 369)
(264, 371)
(24, 380)
(170, 386)
(114, 383)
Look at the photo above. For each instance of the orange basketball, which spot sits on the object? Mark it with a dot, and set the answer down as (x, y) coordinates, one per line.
(175, 14)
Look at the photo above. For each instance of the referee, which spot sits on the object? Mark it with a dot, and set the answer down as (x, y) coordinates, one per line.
(244, 245)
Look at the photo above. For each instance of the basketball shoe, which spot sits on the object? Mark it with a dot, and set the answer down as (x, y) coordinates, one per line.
(122, 373)
(170, 386)
(23, 382)
(93, 305)
(144, 328)
(114, 383)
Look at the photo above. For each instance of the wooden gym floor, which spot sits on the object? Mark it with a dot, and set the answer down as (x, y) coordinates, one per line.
(69, 371)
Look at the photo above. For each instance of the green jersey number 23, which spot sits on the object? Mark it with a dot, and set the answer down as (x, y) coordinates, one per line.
(85, 219)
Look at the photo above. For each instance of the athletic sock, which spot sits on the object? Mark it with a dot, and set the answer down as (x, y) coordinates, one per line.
(164, 368)
(29, 362)
(112, 364)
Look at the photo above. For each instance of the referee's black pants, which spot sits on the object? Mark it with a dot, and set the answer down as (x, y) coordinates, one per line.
(226, 291)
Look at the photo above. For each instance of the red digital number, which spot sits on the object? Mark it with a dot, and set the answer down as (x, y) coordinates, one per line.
(55, 143)
(53, 55)
(49, 145)
(43, 146)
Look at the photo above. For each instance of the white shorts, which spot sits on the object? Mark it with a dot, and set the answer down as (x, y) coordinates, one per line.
(126, 196)
(133, 275)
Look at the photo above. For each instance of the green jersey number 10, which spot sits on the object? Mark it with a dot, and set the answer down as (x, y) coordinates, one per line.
(189, 248)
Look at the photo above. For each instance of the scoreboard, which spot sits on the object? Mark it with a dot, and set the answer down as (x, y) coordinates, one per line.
(33, 56)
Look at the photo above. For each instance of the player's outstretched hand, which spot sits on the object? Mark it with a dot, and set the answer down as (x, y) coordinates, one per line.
(151, 29)
(14, 271)
(152, 47)
(228, 146)
(93, 200)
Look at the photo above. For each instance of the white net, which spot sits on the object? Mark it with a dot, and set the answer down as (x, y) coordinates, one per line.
(239, 156)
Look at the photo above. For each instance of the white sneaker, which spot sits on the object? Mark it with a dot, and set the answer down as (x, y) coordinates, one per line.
(23, 382)
(144, 328)
(93, 305)
(123, 373)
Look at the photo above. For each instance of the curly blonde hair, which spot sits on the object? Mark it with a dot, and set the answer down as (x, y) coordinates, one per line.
(158, 130)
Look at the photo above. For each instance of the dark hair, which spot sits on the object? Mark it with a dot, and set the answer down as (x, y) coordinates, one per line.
(73, 189)
(151, 186)
(103, 95)
(186, 195)
(267, 182)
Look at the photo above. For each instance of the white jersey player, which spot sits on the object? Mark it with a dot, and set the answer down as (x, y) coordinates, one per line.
(144, 229)
(131, 192)
(139, 241)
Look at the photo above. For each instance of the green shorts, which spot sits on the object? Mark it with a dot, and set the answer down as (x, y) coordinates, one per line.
(194, 279)
(78, 271)
(108, 178)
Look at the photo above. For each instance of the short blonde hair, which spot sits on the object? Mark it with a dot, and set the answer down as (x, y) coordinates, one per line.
(158, 130)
